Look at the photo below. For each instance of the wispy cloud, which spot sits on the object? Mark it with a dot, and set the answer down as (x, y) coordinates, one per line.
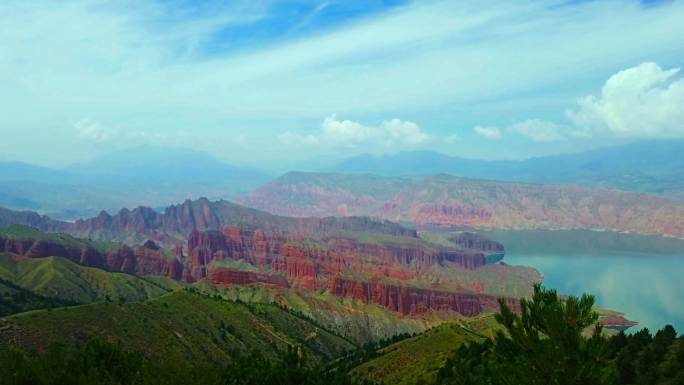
(94, 131)
(491, 133)
(540, 130)
(160, 67)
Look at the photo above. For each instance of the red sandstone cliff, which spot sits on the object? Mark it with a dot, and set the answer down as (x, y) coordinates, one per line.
(409, 300)
(141, 260)
(299, 258)
(292, 260)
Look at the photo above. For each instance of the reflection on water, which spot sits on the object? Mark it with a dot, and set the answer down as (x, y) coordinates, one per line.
(641, 276)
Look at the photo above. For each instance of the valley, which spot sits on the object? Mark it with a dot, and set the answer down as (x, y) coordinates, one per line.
(365, 279)
(386, 192)
(360, 278)
(241, 279)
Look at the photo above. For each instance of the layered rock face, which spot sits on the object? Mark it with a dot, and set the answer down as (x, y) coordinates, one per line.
(289, 260)
(304, 259)
(406, 300)
(413, 301)
(228, 244)
(141, 260)
(224, 277)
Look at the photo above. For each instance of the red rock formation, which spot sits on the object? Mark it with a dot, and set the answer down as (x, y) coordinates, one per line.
(142, 260)
(474, 241)
(292, 260)
(617, 321)
(225, 277)
(451, 201)
(412, 301)
(29, 248)
(305, 261)
(452, 215)
(147, 259)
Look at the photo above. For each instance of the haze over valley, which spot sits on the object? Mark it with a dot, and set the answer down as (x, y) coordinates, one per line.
(341, 193)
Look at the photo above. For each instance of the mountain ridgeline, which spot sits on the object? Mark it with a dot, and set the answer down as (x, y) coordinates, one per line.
(176, 222)
(653, 166)
(449, 201)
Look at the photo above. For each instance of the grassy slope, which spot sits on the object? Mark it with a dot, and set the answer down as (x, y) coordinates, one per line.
(419, 358)
(179, 325)
(60, 278)
(15, 299)
(21, 232)
(350, 318)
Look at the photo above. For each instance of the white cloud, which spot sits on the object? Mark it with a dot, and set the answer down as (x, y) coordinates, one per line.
(94, 131)
(491, 133)
(404, 132)
(130, 64)
(642, 102)
(347, 131)
(539, 130)
(393, 133)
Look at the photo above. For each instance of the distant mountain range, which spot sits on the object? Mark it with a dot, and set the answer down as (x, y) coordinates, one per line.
(156, 176)
(146, 175)
(445, 200)
(655, 167)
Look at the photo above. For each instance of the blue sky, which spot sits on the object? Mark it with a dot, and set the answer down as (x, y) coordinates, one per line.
(267, 82)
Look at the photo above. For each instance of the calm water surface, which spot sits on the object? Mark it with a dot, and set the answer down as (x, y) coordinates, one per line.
(642, 276)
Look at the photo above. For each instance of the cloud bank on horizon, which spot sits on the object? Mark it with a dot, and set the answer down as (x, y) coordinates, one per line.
(301, 79)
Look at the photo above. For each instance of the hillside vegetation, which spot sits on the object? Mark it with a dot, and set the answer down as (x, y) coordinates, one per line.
(175, 326)
(61, 279)
(418, 359)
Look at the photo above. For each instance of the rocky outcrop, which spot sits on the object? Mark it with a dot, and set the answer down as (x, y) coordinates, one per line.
(477, 242)
(235, 255)
(37, 248)
(28, 218)
(227, 277)
(314, 264)
(147, 259)
(141, 260)
(177, 221)
(304, 258)
(409, 300)
(616, 321)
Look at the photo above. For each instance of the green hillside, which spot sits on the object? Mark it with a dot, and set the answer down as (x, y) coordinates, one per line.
(176, 326)
(59, 278)
(22, 232)
(418, 359)
(15, 299)
(353, 319)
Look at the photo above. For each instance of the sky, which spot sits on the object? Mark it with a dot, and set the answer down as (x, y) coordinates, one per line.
(270, 82)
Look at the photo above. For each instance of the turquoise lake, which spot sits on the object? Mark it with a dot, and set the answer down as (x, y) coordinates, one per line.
(642, 276)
